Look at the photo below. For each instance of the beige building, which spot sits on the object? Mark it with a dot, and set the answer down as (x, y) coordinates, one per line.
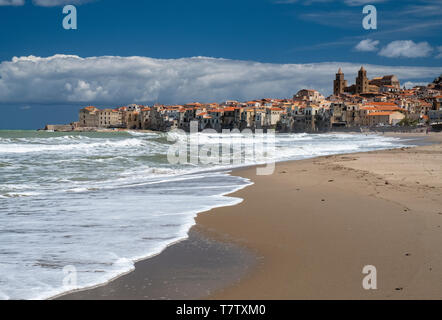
(248, 117)
(273, 115)
(308, 95)
(88, 117)
(384, 118)
(110, 118)
(389, 81)
(260, 115)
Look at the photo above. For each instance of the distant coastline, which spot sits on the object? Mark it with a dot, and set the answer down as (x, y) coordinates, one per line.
(368, 105)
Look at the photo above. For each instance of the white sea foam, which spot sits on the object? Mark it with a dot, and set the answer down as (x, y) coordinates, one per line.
(82, 146)
(100, 202)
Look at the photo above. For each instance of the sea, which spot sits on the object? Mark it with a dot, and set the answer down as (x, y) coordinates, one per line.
(78, 209)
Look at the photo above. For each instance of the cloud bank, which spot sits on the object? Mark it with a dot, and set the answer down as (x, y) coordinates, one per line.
(113, 80)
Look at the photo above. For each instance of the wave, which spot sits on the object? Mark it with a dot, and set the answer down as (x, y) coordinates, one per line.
(144, 134)
(32, 148)
(100, 202)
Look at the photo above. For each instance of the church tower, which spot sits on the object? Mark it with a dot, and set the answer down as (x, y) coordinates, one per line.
(339, 84)
(362, 81)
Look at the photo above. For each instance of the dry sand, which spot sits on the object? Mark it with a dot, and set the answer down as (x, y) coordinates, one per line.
(316, 223)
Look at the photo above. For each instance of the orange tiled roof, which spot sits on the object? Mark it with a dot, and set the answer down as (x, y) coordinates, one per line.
(392, 104)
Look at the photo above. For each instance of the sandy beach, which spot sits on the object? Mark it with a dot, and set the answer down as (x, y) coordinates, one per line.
(307, 231)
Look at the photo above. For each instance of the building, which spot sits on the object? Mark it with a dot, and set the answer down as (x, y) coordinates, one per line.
(384, 118)
(88, 117)
(339, 84)
(367, 103)
(273, 115)
(435, 116)
(132, 119)
(389, 81)
(110, 118)
(338, 114)
(364, 86)
(362, 81)
(308, 95)
(437, 103)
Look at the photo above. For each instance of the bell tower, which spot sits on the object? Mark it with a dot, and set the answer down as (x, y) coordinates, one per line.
(362, 81)
(339, 83)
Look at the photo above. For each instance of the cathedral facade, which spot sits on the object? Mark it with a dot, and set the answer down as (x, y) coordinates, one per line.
(363, 84)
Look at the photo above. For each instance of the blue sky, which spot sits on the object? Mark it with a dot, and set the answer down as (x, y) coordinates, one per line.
(257, 37)
(259, 30)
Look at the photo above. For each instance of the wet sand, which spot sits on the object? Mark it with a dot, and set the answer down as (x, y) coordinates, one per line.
(307, 232)
(190, 269)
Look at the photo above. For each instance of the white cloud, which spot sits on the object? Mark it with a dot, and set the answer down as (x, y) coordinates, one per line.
(406, 49)
(347, 2)
(362, 2)
(12, 2)
(43, 3)
(439, 50)
(367, 45)
(411, 84)
(53, 3)
(117, 80)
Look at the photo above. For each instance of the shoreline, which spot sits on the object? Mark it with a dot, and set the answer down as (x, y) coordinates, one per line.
(205, 227)
(388, 224)
(210, 262)
(191, 235)
(352, 130)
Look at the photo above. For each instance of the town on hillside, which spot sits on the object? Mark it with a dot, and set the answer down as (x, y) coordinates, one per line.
(367, 104)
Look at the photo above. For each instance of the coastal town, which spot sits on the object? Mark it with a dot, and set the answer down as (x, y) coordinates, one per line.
(369, 103)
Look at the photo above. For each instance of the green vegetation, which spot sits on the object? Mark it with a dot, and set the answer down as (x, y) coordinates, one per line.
(407, 122)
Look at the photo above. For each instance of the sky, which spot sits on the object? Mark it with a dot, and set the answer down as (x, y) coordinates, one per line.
(175, 51)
